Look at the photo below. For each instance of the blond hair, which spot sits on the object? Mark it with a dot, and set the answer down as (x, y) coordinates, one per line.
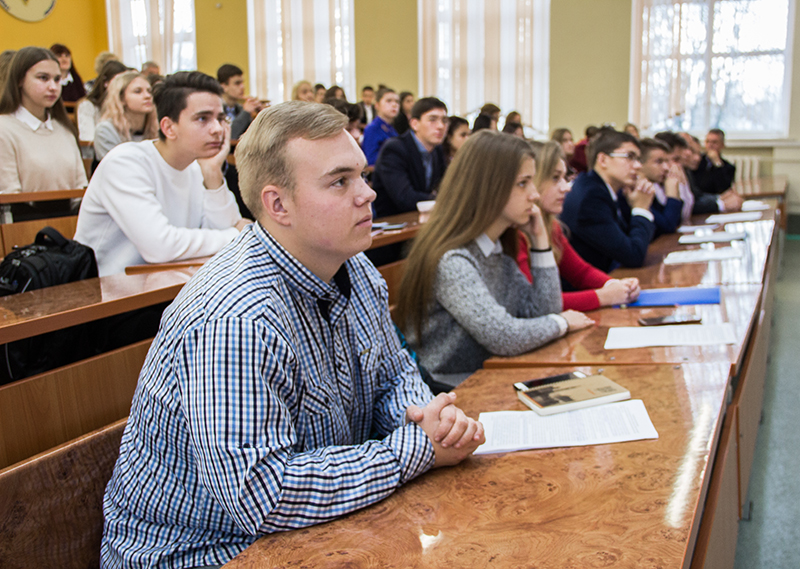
(547, 159)
(296, 88)
(114, 108)
(261, 152)
(472, 195)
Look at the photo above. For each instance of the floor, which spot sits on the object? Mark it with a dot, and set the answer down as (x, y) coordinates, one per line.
(771, 537)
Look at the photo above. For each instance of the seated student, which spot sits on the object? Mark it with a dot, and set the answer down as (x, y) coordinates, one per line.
(632, 129)
(335, 92)
(705, 202)
(150, 68)
(402, 121)
(387, 105)
(484, 122)
(714, 174)
(513, 116)
(38, 142)
(239, 109)
(276, 395)
(564, 137)
(588, 287)
(128, 114)
(99, 61)
(608, 210)
(72, 89)
(410, 166)
(462, 298)
(91, 108)
(303, 91)
(658, 169)
(514, 128)
(165, 200)
(493, 112)
(366, 105)
(319, 92)
(457, 133)
(578, 159)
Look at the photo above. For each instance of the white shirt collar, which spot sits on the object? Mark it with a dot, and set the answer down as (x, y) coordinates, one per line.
(27, 117)
(487, 246)
(611, 190)
(67, 80)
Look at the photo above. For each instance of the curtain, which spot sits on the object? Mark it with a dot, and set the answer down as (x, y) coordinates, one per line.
(297, 40)
(474, 52)
(153, 30)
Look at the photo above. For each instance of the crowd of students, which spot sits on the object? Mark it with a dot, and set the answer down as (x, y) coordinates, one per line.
(277, 392)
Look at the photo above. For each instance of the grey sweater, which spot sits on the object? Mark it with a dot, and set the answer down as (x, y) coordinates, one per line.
(485, 306)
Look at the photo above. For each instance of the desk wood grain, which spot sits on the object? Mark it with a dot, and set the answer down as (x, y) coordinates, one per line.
(738, 306)
(634, 504)
(23, 197)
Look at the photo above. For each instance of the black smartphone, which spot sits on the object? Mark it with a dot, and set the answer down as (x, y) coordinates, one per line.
(671, 319)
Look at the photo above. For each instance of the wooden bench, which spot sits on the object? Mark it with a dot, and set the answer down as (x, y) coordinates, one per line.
(21, 233)
(51, 506)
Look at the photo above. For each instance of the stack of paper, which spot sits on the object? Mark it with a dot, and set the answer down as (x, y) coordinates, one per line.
(754, 205)
(734, 217)
(702, 255)
(683, 335)
(693, 228)
(521, 430)
(716, 237)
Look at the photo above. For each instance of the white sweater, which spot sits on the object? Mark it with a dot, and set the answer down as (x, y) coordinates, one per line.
(38, 160)
(140, 209)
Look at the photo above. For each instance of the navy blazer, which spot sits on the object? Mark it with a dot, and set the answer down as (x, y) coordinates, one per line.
(713, 180)
(667, 217)
(399, 177)
(602, 231)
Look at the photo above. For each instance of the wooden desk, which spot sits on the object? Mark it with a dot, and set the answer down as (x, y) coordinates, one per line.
(773, 186)
(54, 308)
(412, 218)
(738, 306)
(635, 504)
(23, 197)
(156, 267)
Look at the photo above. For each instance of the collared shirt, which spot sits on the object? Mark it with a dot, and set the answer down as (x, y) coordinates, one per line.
(537, 258)
(427, 160)
(29, 119)
(67, 80)
(635, 211)
(269, 400)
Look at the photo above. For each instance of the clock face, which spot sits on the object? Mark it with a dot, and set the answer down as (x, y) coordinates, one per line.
(28, 10)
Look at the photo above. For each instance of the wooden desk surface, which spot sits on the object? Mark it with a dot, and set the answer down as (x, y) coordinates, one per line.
(54, 308)
(737, 306)
(774, 186)
(634, 504)
(21, 197)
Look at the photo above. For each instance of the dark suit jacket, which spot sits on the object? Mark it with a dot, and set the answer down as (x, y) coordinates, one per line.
(667, 217)
(399, 177)
(598, 233)
(713, 180)
(362, 109)
(703, 202)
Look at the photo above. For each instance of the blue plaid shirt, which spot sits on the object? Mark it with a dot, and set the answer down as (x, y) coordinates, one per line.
(269, 400)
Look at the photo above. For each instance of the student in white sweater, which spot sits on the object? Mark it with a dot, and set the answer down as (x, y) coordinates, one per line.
(38, 148)
(165, 200)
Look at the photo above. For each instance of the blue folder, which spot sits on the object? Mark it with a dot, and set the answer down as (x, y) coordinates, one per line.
(678, 296)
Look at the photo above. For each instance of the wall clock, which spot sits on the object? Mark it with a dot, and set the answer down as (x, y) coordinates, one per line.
(28, 10)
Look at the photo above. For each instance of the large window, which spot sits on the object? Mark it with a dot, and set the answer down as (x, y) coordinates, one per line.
(153, 30)
(473, 52)
(292, 40)
(700, 64)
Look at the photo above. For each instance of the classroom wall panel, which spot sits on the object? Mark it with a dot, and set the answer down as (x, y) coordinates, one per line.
(221, 34)
(78, 24)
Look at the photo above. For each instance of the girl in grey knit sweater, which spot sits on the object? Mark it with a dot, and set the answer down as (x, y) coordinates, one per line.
(462, 298)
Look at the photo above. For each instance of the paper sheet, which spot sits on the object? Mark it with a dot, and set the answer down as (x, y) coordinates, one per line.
(702, 255)
(693, 228)
(611, 423)
(754, 205)
(716, 237)
(680, 335)
(734, 217)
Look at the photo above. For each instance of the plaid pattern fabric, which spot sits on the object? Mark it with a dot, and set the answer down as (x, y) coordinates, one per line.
(269, 400)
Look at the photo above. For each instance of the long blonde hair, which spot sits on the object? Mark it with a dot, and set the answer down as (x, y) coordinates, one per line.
(472, 195)
(547, 159)
(114, 107)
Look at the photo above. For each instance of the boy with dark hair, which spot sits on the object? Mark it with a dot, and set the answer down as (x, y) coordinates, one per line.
(240, 109)
(657, 167)
(366, 105)
(608, 209)
(381, 129)
(165, 200)
(411, 166)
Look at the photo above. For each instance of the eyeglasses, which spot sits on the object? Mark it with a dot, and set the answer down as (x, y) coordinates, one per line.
(629, 156)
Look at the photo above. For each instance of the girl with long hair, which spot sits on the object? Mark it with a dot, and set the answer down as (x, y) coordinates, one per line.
(402, 122)
(457, 133)
(462, 297)
(303, 91)
(72, 88)
(591, 287)
(128, 113)
(38, 142)
(90, 108)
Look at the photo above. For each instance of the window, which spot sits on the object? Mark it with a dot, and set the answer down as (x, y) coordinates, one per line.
(474, 52)
(701, 64)
(157, 30)
(292, 41)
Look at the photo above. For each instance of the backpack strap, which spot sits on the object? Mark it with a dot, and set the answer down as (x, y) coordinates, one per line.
(51, 234)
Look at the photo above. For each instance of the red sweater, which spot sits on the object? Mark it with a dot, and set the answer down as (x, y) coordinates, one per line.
(573, 269)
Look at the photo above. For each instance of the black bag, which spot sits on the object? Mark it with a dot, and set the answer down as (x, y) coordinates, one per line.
(51, 260)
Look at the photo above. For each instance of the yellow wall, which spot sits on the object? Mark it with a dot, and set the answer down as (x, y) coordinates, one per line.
(386, 45)
(221, 34)
(78, 24)
(590, 53)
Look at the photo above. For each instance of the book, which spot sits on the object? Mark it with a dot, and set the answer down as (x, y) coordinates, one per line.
(569, 391)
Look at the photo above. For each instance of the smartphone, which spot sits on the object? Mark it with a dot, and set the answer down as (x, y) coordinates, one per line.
(531, 383)
(671, 319)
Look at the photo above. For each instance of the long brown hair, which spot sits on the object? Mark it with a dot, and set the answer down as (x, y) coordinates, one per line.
(472, 195)
(11, 99)
(547, 159)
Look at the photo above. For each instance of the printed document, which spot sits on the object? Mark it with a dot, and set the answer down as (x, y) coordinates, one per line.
(681, 335)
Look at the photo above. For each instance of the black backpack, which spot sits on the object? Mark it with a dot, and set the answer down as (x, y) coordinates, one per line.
(51, 260)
